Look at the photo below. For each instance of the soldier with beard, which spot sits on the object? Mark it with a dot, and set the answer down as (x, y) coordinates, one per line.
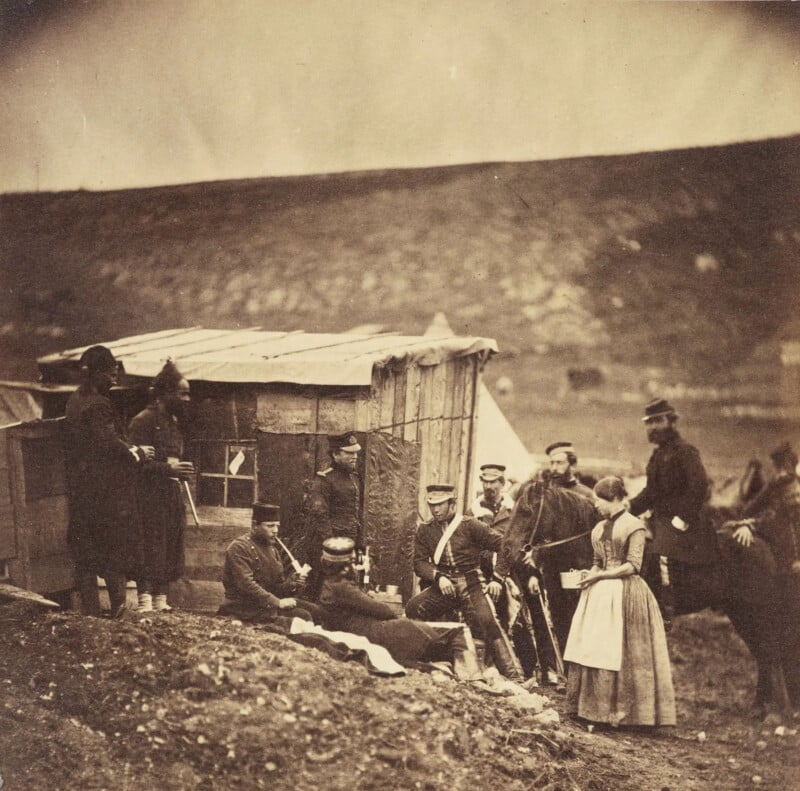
(562, 468)
(160, 493)
(102, 469)
(676, 490)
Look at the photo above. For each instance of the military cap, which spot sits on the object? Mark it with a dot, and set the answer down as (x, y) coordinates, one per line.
(347, 441)
(559, 447)
(440, 493)
(339, 549)
(658, 407)
(264, 512)
(97, 358)
(492, 472)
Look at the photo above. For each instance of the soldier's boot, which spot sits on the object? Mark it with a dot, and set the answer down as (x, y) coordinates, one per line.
(116, 585)
(505, 661)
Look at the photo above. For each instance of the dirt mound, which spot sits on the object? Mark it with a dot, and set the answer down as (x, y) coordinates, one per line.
(184, 701)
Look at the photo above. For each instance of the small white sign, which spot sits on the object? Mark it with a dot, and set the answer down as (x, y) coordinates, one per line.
(236, 463)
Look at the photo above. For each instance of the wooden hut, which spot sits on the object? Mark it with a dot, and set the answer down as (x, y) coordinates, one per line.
(265, 403)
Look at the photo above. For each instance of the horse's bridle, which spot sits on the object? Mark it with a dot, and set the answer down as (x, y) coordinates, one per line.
(528, 548)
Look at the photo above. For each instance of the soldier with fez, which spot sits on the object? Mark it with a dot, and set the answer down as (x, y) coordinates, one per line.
(333, 505)
(257, 587)
(447, 552)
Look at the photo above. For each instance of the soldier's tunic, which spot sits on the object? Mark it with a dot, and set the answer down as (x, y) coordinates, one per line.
(574, 485)
(333, 508)
(160, 496)
(677, 485)
(776, 515)
(255, 580)
(460, 563)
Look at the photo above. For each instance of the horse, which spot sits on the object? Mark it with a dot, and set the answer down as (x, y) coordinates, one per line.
(548, 533)
(555, 523)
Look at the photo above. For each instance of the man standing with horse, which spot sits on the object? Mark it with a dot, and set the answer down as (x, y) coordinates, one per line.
(774, 514)
(676, 490)
(562, 468)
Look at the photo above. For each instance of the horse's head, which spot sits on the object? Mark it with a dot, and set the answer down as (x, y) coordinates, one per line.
(544, 513)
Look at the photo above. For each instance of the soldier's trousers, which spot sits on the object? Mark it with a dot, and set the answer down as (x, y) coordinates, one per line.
(476, 607)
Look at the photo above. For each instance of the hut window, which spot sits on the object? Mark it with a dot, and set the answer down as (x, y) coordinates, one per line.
(227, 473)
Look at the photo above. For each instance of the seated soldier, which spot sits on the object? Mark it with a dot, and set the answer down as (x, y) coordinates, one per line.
(346, 608)
(447, 553)
(257, 587)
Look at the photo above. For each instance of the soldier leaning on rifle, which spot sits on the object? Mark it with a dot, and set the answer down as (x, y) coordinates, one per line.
(257, 587)
(333, 505)
(447, 552)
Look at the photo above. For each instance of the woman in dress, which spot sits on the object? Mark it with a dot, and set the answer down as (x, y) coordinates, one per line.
(619, 670)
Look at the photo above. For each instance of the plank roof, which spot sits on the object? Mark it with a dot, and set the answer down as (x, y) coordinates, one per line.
(256, 355)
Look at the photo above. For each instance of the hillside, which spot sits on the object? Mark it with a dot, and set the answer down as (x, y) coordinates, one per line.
(671, 267)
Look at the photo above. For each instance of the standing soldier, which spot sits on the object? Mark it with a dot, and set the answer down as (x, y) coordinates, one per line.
(333, 507)
(447, 552)
(161, 495)
(102, 470)
(774, 514)
(562, 468)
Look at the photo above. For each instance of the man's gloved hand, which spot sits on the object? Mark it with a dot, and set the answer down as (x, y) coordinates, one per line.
(287, 604)
(533, 585)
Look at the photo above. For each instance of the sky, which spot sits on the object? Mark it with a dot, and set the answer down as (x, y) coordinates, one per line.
(99, 94)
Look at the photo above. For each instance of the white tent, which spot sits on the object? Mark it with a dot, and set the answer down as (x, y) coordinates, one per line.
(496, 440)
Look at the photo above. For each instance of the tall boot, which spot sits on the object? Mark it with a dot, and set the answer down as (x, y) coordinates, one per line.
(116, 585)
(505, 661)
(86, 582)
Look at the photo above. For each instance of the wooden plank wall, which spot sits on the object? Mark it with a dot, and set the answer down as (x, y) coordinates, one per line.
(8, 545)
(434, 406)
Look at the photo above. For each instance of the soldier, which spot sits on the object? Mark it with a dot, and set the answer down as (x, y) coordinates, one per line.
(333, 507)
(562, 468)
(447, 552)
(257, 587)
(161, 494)
(495, 505)
(102, 470)
(494, 508)
(774, 514)
(676, 490)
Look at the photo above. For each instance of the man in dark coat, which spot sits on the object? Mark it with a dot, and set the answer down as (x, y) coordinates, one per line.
(447, 552)
(257, 587)
(563, 461)
(333, 505)
(102, 471)
(161, 495)
(346, 608)
(774, 514)
(677, 488)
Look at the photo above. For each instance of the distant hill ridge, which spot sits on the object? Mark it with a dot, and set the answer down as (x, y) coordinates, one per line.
(678, 258)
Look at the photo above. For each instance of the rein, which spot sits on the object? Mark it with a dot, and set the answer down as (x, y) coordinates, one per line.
(529, 547)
